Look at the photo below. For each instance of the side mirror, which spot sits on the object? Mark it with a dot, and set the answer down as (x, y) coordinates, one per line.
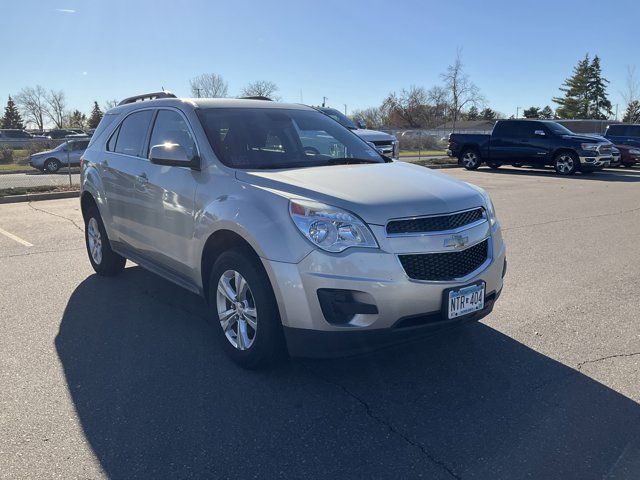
(172, 155)
(361, 123)
(540, 133)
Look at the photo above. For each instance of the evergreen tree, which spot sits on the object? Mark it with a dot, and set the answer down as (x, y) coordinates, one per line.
(473, 113)
(599, 104)
(77, 119)
(575, 103)
(488, 114)
(532, 112)
(546, 113)
(96, 116)
(632, 114)
(11, 118)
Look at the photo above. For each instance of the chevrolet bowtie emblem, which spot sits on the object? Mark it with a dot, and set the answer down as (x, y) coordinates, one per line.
(457, 241)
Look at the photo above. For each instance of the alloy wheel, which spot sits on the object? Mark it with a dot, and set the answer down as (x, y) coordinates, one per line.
(236, 310)
(565, 164)
(470, 159)
(95, 240)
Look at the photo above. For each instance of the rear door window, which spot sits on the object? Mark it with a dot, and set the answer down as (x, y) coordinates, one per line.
(507, 129)
(132, 133)
(616, 130)
(633, 131)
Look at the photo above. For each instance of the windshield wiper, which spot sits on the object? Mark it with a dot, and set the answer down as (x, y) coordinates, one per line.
(349, 161)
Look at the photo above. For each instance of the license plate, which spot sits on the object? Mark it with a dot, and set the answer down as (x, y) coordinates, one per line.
(465, 300)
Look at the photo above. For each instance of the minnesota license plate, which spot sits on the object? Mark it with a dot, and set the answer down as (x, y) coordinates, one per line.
(465, 300)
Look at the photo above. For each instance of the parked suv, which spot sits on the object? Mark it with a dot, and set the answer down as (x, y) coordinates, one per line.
(323, 254)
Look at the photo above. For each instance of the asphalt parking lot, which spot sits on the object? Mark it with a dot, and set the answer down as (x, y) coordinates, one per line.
(122, 377)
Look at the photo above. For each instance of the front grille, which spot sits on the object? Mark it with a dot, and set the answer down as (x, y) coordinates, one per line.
(434, 224)
(383, 143)
(447, 265)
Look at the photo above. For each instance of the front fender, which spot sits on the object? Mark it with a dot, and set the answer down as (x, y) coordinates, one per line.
(259, 216)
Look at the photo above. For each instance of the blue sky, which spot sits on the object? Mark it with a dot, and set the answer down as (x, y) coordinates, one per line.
(518, 52)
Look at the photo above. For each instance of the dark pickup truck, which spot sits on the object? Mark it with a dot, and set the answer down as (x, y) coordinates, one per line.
(534, 143)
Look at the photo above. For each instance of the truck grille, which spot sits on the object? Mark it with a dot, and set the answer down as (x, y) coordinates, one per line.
(434, 224)
(384, 146)
(447, 265)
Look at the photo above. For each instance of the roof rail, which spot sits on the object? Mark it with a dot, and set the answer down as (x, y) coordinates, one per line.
(146, 96)
(256, 97)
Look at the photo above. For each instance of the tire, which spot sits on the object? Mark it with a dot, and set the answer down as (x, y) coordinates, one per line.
(470, 159)
(251, 331)
(52, 165)
(566, 163)
(494, 165)
(103, 259)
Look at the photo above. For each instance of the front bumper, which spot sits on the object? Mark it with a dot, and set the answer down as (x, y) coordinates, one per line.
(595, 160)
(378, 278)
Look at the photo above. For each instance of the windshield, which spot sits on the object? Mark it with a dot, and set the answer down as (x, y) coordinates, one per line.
(269, 138)
(339, 117)
(559, 129)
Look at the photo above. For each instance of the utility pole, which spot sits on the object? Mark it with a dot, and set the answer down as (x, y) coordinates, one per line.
(345, 109)
(517, 112)
(197, 92)
(324, 101)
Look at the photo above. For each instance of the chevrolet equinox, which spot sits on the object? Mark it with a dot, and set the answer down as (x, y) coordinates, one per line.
(299, 234)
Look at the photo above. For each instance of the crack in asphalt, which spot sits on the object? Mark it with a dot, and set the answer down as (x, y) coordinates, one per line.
(607, 357)
(57, 215)
(610, 214)
(386, 423)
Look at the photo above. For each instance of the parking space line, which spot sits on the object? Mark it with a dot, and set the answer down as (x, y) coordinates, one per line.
(14, 237)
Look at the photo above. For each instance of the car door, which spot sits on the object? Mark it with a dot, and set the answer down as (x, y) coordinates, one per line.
(120, 168)
(505, 143)
(166, 197)
(534, 143)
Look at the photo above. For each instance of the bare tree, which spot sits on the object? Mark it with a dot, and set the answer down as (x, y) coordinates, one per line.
(261, 88)
(373, 117)
(462, 91)
(109, 104)
(32, 103)
(55, 107)
(631, 92)
(208, 85)
(411, 106)
(439, 99)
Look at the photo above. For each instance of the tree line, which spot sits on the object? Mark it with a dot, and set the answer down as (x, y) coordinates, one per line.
(584, 95)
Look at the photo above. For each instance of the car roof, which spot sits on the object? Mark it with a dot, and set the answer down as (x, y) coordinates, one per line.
(206, 103)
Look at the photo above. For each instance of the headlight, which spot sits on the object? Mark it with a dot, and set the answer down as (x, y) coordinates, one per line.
(330, 228)
(634, 151)
(488, 204)
(590, 146)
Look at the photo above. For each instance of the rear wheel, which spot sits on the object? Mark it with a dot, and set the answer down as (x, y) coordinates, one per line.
(52, 165)
(103, 259)
(470, 159)
(245, 310)
(566, 163)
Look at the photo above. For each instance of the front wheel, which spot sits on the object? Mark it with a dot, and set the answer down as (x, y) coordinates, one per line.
(52, 165)
(103, 259)
(566, 163)
(470, 159)
(246, 312)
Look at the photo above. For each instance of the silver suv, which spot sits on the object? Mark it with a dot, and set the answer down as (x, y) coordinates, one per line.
(320, 253)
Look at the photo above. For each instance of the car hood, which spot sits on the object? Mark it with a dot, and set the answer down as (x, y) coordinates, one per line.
(373, 135)
(45, 152)
(374, 192)
(587, 138)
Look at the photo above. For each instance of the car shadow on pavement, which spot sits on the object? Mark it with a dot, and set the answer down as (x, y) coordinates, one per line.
(609, 175)
(157, 398)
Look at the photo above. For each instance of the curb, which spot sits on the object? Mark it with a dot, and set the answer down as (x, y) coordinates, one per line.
(439, 167)
(34, 197)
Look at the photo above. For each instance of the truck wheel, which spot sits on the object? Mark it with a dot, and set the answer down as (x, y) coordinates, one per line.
(52, 165)
(494, 165)
(104, 261)
(245, 310)
(470, 159)
(566, 163)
